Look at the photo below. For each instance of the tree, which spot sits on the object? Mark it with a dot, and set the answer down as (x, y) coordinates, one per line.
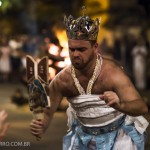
(31, 17)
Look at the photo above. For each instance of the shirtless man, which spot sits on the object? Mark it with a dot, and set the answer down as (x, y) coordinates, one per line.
(102, 99)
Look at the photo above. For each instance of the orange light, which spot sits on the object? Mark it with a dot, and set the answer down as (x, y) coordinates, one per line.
(67, 61)
(61, 64)
(64, 52)
(50, 62)
(52, 72)
(38, 59)
(62, 37)
(53, 49)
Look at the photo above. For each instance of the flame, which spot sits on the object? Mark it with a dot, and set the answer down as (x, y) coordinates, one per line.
(50, 62)
(64, 52)
(52, 72)
(61, 64)
(67, 61)
(53, 49)
(62, 37)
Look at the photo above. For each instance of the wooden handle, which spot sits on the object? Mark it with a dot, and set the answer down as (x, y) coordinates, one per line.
(38, 137)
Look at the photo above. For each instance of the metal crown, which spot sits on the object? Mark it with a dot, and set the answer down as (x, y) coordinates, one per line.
(83, 28)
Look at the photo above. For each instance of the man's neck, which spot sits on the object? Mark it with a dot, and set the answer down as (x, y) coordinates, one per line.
(88, 70)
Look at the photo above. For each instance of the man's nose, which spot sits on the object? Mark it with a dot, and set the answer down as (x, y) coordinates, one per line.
(76, 53)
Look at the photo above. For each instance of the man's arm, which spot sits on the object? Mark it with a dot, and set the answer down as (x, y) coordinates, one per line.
(38, 127)
(124, 97)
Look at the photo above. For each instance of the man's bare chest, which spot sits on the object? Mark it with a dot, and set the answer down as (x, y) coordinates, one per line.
(99, 87)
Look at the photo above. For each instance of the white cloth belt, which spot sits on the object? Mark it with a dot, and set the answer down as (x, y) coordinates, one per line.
(91, 106)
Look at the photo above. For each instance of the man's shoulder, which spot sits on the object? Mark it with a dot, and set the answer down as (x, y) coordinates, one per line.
(63, 82)
(112, 69)
(113, 73)
(64, 74)
(112, 64)
(62, 77)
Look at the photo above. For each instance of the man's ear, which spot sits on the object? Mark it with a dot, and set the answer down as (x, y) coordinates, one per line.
(96, 47)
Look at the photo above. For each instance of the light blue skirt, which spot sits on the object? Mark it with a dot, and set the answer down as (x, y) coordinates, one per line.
(77, 139)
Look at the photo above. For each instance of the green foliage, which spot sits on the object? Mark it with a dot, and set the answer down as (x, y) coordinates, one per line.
(8, 4)
(19, 16)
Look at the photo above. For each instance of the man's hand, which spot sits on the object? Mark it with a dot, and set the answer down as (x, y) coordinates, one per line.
(38, 127)
(3, 126)
(111, 98)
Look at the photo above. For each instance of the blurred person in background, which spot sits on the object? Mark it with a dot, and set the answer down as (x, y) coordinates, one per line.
(15, 58)
(119, 51)
(30, 45)
(103, 103)
(104, 49)
(5, 63)
(129, 42)
(139, 54)
(3, 126)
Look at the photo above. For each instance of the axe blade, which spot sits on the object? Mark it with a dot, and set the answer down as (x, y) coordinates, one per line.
(30, 72)
(43, 70)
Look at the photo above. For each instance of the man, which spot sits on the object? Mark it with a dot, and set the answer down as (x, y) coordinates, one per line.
(101, 96)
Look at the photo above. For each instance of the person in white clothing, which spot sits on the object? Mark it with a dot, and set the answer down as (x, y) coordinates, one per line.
(5, 66)
(139, 54)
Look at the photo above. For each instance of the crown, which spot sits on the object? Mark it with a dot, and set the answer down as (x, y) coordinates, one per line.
(83, 28)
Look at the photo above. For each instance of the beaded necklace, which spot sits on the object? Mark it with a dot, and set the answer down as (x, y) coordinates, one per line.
(96, 72)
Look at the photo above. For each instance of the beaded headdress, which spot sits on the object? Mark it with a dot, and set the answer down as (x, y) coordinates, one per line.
(83, 28)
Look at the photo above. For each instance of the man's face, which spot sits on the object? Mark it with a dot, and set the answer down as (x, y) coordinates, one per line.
(81, 52)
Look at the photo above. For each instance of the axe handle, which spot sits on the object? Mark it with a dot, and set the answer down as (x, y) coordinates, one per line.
(38, 115)
(38, 137)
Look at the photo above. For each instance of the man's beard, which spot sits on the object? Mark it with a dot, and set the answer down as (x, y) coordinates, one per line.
(78, 65)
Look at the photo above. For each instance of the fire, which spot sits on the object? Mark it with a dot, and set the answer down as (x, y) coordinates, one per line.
(53, 49)
(52, 72)
(67, 61)
(62, 37)
(50, 62)
(61, 64)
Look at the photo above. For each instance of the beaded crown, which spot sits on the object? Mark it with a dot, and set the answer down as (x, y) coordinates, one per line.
(82, 28)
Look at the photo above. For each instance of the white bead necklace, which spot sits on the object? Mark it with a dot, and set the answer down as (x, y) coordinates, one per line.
(95, 75)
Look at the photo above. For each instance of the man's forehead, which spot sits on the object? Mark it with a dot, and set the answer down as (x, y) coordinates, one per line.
(78, 42)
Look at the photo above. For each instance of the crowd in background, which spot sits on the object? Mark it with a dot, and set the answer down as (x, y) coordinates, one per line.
(131, 53)
(13, 53)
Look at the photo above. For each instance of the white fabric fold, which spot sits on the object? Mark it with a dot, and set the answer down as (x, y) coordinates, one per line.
(124, 142)
(140, 123)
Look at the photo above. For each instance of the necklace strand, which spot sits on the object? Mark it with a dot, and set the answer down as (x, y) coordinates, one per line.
(96, 72)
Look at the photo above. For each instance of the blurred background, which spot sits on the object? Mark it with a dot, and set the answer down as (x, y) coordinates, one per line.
(36, 28)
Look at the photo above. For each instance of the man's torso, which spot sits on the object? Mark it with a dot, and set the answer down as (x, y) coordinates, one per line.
(103, 82)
